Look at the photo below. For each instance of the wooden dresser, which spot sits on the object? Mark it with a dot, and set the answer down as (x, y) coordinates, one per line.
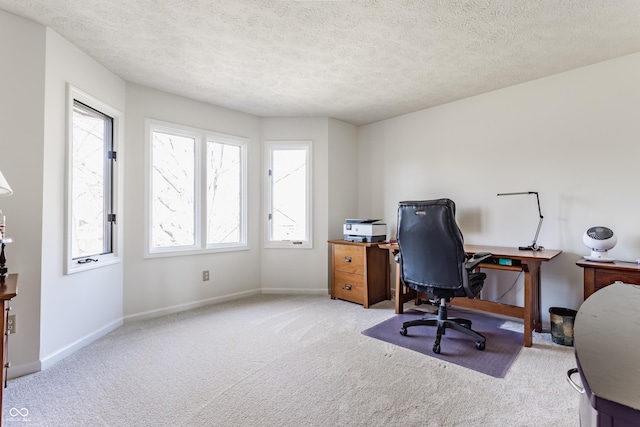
(597, 275)
(359, 272)
(8, 290)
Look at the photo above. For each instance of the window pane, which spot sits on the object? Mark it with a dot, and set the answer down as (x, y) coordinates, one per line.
(224, 181)
(173, 190)
(196, 195)
(88, 226)
(289, 200)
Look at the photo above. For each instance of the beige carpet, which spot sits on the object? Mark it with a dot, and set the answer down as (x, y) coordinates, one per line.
(284, 361)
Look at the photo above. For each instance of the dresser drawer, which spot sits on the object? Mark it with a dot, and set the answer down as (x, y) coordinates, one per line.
(349, 259)
(607, 277)
(349, 286)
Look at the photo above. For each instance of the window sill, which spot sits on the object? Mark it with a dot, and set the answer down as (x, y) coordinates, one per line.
(288, 245)
(190, 251)
(103, 261)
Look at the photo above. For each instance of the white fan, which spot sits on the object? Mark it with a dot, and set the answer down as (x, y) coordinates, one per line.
(600, 240)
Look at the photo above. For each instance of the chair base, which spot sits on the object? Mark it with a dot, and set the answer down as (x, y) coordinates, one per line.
(442, 322)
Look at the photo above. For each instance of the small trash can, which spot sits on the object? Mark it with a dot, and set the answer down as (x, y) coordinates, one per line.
(562, 325)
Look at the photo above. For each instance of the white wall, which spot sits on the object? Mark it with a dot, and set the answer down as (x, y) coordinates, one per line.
(301, 270)
(22, 77)
(77, 308)
(342, 175)
(162, 285)
(573, 137)
(343, 181)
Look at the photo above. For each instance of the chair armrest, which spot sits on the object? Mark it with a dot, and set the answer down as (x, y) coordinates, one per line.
(477, 259)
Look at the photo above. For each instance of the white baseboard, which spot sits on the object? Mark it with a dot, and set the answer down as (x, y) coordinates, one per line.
(188, 306)
(51, 359)
(16, 371)
(297, 291)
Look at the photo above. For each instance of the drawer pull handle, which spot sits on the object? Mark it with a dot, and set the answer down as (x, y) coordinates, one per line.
(570, 372)
(347, 287)
(347, 259)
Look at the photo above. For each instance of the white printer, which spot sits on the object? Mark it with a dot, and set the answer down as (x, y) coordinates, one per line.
(364, 230)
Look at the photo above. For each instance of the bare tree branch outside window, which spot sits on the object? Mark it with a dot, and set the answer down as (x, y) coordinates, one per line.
(224, 182)
(173, 190)
(197, 192)
(289, 194)
(87, 183)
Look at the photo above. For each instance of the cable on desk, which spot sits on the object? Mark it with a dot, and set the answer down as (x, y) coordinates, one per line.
(508, 290)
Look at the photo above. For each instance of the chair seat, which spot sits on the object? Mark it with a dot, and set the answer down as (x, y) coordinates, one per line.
(476, 281)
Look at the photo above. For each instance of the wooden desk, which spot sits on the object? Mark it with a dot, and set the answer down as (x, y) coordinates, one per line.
(8, 290)
(526, 261)
(597, 275)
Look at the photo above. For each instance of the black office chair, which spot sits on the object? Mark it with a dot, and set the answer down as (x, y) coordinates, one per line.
(432, 261)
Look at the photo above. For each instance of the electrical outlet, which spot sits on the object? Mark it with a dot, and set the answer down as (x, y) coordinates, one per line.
(11, 324)
(205, 275)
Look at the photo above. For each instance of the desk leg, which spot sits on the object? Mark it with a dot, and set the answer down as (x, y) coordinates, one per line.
(532, 316)
(403, 294)
(388, 275)
(589, 282)
(399, 293)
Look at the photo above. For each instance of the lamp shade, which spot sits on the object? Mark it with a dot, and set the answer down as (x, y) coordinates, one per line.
(5, 188)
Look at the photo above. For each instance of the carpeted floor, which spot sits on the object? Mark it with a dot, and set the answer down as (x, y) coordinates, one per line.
(277, 360)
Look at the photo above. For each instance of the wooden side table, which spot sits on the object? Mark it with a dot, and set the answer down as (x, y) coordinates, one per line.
(8, 290)
(597, 275)
(359, 272)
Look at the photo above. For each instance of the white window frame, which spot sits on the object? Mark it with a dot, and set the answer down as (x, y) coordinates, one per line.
(202, 137)
(270, 146)
(71, 265)
(243, 243)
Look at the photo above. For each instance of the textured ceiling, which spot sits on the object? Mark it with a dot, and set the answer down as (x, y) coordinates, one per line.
(358, 61)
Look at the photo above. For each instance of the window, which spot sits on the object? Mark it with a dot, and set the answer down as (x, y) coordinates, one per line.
(288, 194)
(224, 188)
(173, 189)
(196, 190)
(91, 219)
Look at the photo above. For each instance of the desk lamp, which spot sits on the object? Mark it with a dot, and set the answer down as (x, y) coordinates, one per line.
(534, 245)
(5, 190)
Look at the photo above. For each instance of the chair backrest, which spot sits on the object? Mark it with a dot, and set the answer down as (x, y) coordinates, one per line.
(431, 245)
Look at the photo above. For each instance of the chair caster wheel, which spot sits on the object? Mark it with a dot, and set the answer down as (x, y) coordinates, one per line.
(403, 331)
(480, 345)
(436, 348)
